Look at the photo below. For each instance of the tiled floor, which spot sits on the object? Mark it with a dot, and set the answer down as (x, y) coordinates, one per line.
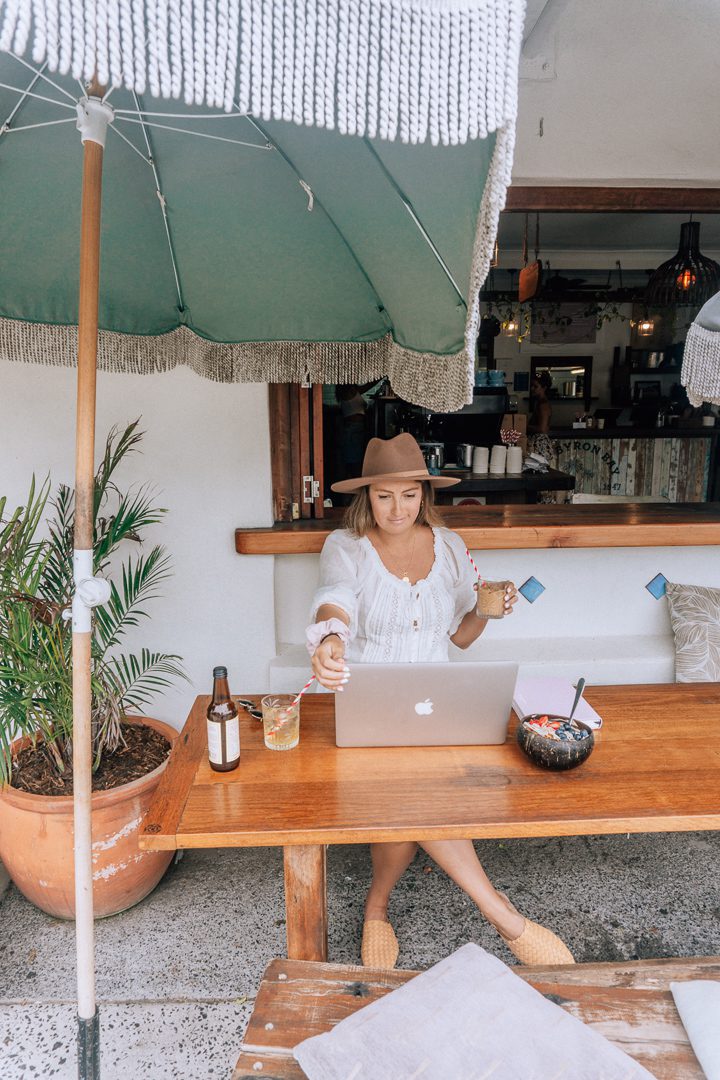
(176, 974)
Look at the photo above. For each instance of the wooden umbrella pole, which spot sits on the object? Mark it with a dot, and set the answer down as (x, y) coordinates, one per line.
(88, 1026)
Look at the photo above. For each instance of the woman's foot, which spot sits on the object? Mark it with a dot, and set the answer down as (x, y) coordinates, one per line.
(379, 948)
(534, 944)
(500, 913)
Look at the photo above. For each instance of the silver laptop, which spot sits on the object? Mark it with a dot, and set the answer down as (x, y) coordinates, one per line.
(442, 704)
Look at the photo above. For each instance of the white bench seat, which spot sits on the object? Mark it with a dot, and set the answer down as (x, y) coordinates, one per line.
(601, 660)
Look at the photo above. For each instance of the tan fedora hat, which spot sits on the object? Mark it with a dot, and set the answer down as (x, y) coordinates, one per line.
(394, 459)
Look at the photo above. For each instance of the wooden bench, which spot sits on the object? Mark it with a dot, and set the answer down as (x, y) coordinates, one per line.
(629, 1003)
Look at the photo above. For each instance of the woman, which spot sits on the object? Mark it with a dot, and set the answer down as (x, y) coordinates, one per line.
(396, 586)
(539, 426)
(541, 415)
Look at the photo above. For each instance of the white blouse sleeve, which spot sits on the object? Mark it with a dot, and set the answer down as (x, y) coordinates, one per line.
(339, 580)
(463, 578)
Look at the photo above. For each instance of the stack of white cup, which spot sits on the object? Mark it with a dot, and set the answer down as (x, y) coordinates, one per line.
(480, 459)
(498, 460)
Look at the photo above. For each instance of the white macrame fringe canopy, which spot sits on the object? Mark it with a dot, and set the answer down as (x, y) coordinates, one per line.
(414, 70)
(701, 357)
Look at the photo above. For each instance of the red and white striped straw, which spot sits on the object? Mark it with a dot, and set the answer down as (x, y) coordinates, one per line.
(481, 579)
(307, 685)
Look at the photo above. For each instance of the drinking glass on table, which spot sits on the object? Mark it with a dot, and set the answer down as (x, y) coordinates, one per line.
(281, 721)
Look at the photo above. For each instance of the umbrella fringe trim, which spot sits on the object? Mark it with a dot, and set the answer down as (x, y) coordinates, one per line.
(486, 231)
(435, 381)
(443, 70)
(700, 373)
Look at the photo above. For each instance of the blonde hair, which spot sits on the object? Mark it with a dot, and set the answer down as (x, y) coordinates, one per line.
(359, 518)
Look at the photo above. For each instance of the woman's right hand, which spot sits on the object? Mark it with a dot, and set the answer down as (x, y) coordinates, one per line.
(328, 663)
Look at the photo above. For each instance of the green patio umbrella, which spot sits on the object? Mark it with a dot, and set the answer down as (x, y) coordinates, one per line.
(250, 250)
(322, 206)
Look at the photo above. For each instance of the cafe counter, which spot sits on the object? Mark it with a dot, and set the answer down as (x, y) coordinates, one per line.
(510, 527)
(679, 465)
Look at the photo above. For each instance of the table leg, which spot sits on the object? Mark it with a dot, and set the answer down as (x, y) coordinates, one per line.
(306, 901)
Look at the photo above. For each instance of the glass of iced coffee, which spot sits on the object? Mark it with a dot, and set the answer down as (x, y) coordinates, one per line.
(491, 599)
(281, 721)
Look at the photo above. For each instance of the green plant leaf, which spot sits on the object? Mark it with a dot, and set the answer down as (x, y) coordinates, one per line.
(141, 580)
(36, 584)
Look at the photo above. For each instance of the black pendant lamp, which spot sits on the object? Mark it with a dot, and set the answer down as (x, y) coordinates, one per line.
(688, 278)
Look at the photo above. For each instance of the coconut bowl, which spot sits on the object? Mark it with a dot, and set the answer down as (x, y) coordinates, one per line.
(549, 753)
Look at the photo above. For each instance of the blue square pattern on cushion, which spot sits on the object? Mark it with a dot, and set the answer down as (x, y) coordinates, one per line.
(657, 586)
(532, 589)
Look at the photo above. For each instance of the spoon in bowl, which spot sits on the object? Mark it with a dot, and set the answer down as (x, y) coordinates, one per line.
(579, 687)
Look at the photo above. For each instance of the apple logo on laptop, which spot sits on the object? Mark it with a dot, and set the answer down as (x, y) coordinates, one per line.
(424, 708)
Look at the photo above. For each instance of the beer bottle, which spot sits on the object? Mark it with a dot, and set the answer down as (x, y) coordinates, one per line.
(223, 725)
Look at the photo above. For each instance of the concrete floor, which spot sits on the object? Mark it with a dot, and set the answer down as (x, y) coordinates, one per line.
(176, 975)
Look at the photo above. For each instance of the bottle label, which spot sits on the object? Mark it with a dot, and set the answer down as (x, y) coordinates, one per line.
(232, 740)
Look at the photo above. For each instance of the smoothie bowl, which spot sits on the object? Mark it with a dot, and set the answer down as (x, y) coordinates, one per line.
(555, 742)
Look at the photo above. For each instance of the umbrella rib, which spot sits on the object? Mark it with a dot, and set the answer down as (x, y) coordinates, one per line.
(181, 116)
(5, 130)
(40, 97)
(163, 208)
(318, 202)
(18, 105)
(411, 211)
(198, 134)
(40, 75)
(130, 144)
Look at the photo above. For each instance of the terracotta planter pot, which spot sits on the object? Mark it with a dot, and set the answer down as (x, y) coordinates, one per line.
(36, 844)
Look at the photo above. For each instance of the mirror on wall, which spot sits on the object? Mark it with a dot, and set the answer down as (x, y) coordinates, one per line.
(571, 377)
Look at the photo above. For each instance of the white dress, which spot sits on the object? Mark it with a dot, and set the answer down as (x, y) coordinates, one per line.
(392, 621)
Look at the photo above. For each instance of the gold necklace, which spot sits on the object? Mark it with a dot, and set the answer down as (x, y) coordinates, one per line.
(404, 575)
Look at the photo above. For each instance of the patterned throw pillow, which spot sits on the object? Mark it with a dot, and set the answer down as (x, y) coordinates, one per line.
(695, 619)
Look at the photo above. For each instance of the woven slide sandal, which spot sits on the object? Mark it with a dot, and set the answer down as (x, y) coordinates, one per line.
(537, 944)
(379, 947)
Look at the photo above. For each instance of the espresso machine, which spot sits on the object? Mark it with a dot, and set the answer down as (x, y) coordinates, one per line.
(476, 424)
(445, 438)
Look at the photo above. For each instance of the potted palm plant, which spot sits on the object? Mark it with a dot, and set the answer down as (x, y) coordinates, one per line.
(36, 722)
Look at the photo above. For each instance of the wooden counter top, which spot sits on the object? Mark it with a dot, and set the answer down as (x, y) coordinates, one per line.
(504, 527)
(634, 433)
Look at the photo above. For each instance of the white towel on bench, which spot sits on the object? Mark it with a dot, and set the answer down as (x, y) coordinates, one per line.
(467, 1017)
(698, 1002)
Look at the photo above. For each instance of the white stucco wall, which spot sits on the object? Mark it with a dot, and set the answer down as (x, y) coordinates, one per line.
(206, 452)
(632, 94)
(598, 592)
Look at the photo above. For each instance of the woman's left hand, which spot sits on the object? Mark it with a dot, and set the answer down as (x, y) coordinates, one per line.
(511, 596)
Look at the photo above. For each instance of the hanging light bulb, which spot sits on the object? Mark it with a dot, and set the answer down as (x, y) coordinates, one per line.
(688, 278)
(510, 327)
(645, 327)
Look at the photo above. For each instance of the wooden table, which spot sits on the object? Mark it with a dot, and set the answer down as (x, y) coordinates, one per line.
(656, 768)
